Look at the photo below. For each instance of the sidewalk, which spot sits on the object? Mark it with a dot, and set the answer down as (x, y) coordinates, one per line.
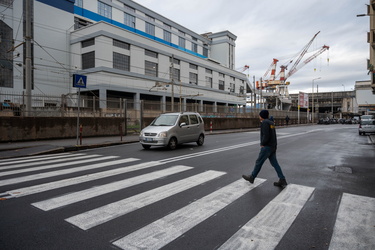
(31, 148)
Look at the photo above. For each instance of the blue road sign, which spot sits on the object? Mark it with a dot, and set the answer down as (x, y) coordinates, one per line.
(79, 81)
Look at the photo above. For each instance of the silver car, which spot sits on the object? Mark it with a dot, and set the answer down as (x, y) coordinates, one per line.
(171, 129)
(366, 126)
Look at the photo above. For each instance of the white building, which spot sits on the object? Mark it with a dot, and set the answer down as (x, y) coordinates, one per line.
(123, 48)
(365, 98)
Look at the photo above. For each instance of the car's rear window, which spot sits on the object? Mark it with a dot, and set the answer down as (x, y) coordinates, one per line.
(368, 122)
(165, 120)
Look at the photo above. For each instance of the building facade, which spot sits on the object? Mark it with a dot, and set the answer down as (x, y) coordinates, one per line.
(341, 104)
(125, 50)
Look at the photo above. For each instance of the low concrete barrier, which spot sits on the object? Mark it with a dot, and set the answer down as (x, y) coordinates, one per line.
(43, 128)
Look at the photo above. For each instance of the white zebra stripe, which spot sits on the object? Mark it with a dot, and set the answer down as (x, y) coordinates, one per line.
(355, 223)
(41, 162)
(111, 211)
(266, 229)
(75, 197)
(165, 230)
(19, 171)
(34, 158)
(71, 181)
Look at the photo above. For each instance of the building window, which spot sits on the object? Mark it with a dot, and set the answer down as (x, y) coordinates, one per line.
(150, 29)
(193, 78)
(194, 47)
(88, 42)
(79, 3)
(151, 69)
(208, 81)
(129, 20)
(151, 53)
(104, 10)
(209, 71)
(121, 61)
(128, 8)
(79, 23)
(176, 74)
(167, 26)
(205, 52)
(88, 60)
(242, 90)
(150, 18)
(221, 85)
(6, 58)
(167, 36)
(181, 42)
(175, 61)
(181, 33)
(121, 44)
(193, 66)
(232, 87)
(221, 75)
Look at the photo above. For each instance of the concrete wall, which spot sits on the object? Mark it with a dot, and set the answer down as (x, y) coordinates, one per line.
(42, 128)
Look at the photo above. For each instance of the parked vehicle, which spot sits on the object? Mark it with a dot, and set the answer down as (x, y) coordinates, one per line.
(171, 129)
(366, 117)
(366, 126)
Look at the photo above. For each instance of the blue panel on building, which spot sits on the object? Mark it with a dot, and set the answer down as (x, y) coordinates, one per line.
(96, 17)
(66, 5)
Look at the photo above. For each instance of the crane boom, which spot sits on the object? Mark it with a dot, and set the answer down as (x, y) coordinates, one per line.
(303, 52)
(309, 59)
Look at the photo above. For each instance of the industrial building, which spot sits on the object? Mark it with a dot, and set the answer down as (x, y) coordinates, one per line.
(125, 50)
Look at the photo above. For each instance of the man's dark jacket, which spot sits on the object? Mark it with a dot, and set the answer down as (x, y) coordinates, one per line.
(268, 134)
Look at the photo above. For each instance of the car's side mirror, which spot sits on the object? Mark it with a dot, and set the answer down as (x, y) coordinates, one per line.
(183, 124)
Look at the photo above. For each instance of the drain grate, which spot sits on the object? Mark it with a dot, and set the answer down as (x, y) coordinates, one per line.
(345, 170)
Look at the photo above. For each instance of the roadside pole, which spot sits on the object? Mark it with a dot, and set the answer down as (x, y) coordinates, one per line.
(78, 127)
(79, 81)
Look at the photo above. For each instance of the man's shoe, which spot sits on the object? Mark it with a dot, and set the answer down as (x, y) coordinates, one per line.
(249, 178)
(281, 183)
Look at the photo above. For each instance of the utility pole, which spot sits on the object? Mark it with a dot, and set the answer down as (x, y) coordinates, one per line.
(172, 82)
(28, 11)
(254, 94)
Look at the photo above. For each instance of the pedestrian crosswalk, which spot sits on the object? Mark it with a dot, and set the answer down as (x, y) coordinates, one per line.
(353, 229)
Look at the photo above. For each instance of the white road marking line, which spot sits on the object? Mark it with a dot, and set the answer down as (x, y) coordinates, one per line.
(75, 197)
(167, 229)
(54, 173)
(71, 181)
(45, 162)
(218, 150)
(266, 229)
(111, 211)
(355, 223)
(34, 158)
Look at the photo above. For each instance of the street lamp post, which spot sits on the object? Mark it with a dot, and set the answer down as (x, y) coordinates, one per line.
(312, 97)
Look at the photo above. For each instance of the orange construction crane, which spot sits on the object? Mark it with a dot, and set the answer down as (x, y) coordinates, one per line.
(272, 83)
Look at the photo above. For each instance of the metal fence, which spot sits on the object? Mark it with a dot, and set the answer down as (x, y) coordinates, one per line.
(71, 105)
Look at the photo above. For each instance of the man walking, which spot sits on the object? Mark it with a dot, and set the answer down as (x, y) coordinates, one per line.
(268, 145)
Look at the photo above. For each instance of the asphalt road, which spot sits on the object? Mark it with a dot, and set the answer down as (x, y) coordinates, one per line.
(193, 197)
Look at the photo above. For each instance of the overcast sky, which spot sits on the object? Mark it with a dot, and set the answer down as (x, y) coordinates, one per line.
(280, 29)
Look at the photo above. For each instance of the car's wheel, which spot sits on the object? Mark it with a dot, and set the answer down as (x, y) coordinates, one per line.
(172, 144)
(146, 146)
(200, 140)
